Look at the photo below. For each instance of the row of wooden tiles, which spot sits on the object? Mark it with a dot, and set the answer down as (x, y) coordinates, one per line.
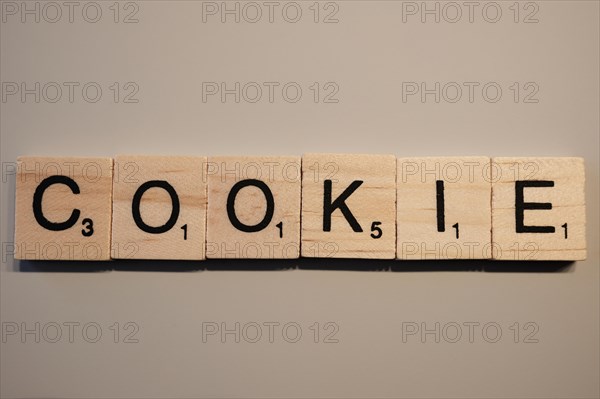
(317, 205)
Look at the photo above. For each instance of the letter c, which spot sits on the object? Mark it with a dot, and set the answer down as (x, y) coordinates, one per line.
(37, 203)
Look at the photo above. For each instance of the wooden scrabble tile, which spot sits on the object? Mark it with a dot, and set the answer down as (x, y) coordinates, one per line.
(444, 208)
(159, 207)
(62, 208)
(538, 209)
(348, 206)
(253, 207)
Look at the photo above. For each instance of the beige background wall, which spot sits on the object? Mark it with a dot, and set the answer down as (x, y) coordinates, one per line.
(370, 57)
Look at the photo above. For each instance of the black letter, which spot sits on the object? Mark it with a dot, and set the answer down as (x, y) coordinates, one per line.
(521, 205)
(135, 207)
(37, 203)
(439, 196)
(329, 207)
(231, 205)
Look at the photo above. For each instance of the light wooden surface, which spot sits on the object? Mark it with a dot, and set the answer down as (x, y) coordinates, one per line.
(275, 234)
(377, 207)
(88, 238)
(456, 224)
(372, 204)
(568, 208)
(186, 238)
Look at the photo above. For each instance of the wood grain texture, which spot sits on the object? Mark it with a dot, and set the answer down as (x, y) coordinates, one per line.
(93, 179)
(372, 204)
(185, 240)
(559, 182)
(444, 208)
(277, 233)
